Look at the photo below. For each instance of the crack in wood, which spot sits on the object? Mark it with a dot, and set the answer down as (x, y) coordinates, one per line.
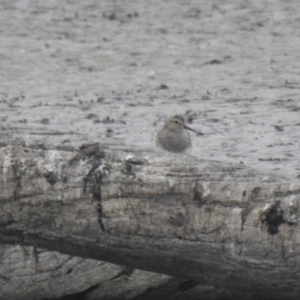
(255, 193)
(17, 180)
(244, 214)
(95, 177)
(126, 271)
(97, 195)
(187, 285)
(94, 155)
(92, 151)
(287, 193)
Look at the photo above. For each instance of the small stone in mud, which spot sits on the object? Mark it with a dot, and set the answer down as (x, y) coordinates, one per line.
(111, 16)
(163, 87)
(199, 133)
(213, 62)
(100, 99)
(45, 121)
(109, 132)
(189, 119)
(279, 128)
(92, 116)
(108, 120)
(205, 97)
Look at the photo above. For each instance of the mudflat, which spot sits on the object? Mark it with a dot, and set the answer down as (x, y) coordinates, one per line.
(110, 69)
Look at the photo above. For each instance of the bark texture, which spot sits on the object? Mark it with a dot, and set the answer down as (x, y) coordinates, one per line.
(31, 273)
(221, 225)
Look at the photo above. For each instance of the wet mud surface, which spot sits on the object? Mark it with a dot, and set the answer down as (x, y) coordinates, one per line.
(106, 69)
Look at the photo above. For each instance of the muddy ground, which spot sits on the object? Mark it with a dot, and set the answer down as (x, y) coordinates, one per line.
(117, 69)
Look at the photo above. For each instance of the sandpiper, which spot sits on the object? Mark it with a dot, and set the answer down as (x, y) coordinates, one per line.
(173, 137)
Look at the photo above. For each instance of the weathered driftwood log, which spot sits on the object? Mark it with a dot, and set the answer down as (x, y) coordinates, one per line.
(220, 224)
(31, 273)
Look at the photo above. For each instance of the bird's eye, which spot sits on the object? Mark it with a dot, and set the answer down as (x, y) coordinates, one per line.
(176, 122)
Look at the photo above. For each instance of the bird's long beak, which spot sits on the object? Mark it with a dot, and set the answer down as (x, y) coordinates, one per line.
(188, 128)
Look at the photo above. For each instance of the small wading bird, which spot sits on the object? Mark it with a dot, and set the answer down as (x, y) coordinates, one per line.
(173, 137)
